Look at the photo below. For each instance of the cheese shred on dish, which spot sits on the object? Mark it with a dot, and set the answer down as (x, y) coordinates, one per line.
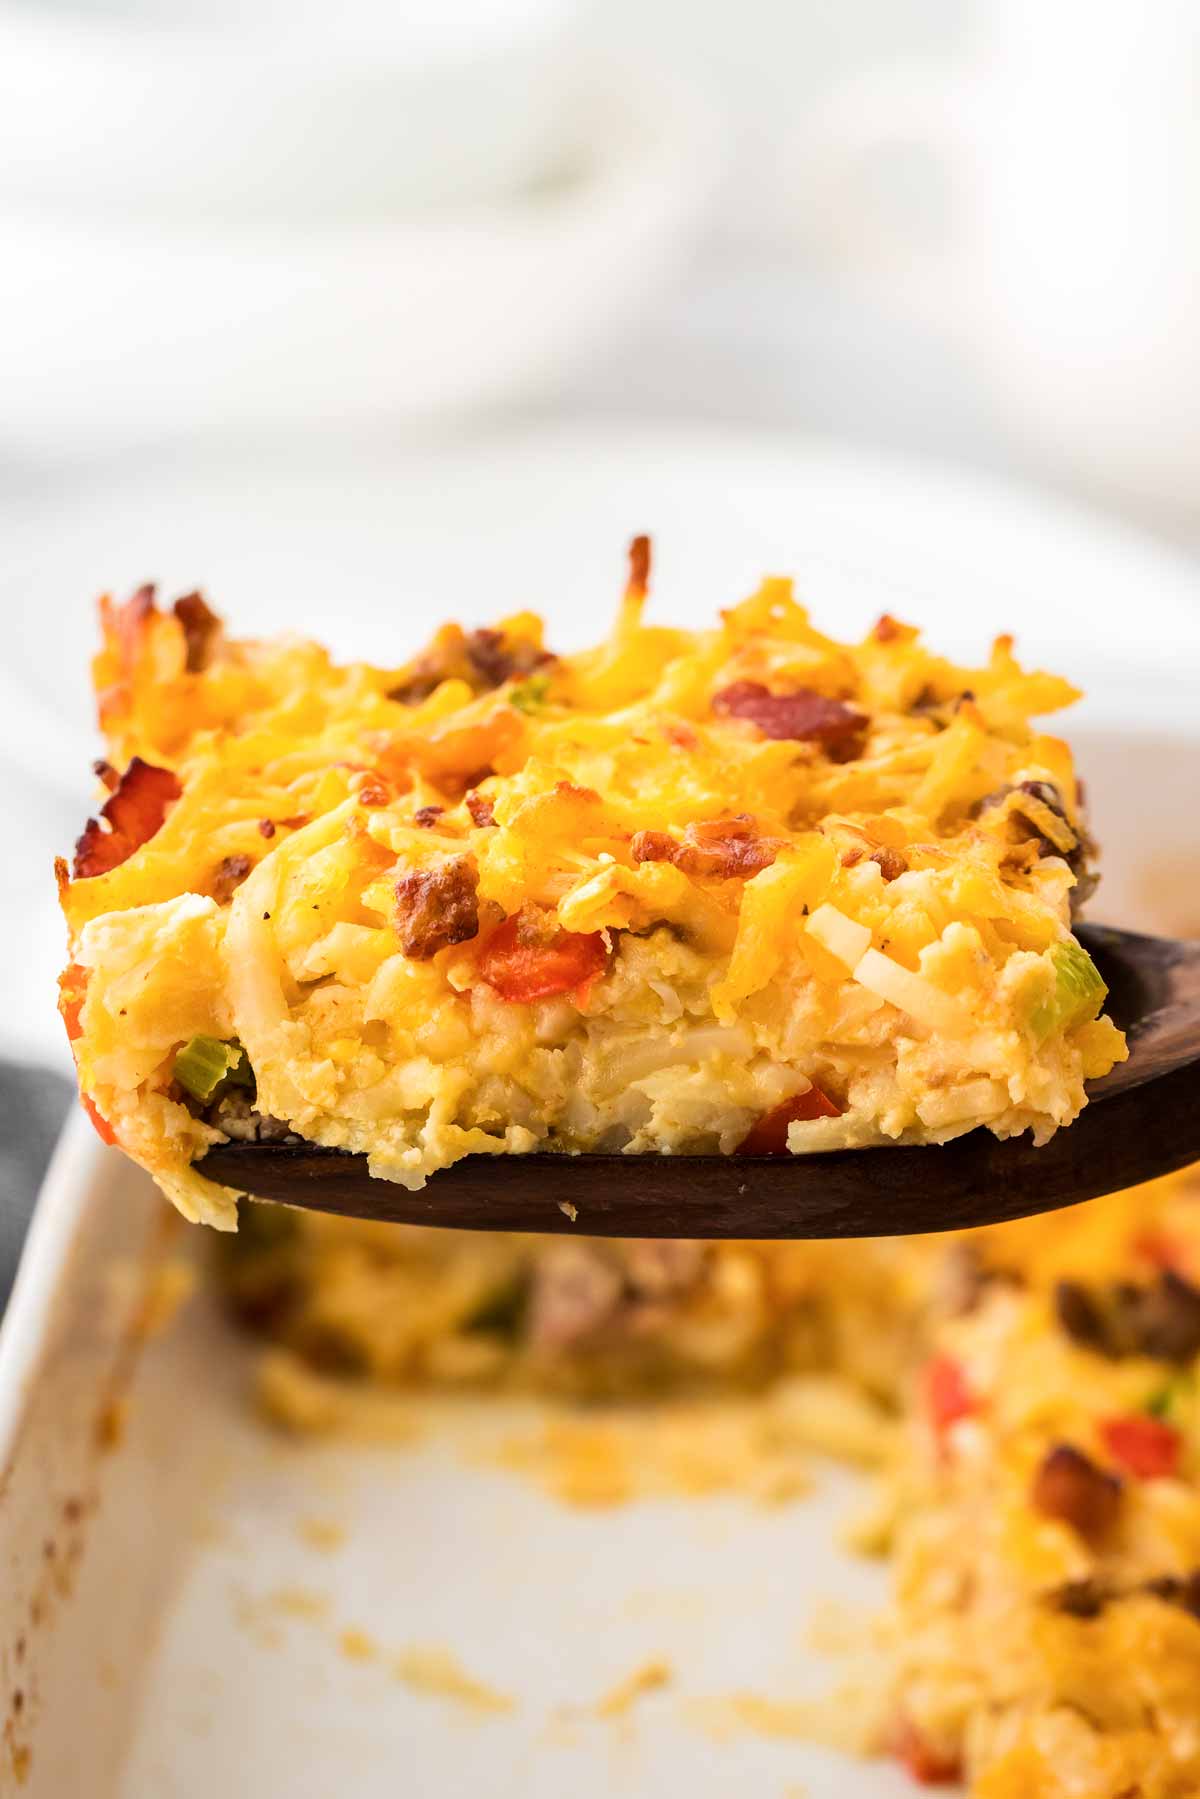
(745, 889)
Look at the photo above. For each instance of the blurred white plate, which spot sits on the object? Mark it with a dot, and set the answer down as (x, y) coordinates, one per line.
(372, 555)
(253, 111)
(120, 331)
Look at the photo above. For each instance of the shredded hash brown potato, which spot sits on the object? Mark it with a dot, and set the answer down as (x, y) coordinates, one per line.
(690, 891)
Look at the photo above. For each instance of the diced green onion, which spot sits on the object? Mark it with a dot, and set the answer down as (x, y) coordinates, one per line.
(531, 694)
(1078, 991)
(502, 1312)
(1171, 1397)
(205, 1063)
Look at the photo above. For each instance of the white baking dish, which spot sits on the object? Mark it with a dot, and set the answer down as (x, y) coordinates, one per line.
(173, 1631)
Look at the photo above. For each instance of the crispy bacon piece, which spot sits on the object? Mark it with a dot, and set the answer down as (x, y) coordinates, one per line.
(369, 787)
(436, 907)
(654, 846)
(890, 863)
(124, 629)
(887, 629)
(266, 827)
(427, 816)
(522, 964)
(133, 813)
(1166, 1318)
(1145, 1447)
(480, 808)
(639, 566)
(228, 876)
(496, 659)
(801, 716)
(1122, 1318)
(769, 1136)
(721, 847)
(1085, 1598)
(725, 847)
(106, 774)
(1174, 1589)
(127, 624)
(200, 626)
(1088, 1598)
(484, 658)
(1068, 1485)
(424, 676)
(1085, 1320)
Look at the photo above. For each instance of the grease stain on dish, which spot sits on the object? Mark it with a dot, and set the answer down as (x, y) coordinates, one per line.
(757, 1447)
(358, 1645)
(300, 1602)
(852, 1719)
(324, 1534)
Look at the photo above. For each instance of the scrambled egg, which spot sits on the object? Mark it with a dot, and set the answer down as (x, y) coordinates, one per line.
(744, 888)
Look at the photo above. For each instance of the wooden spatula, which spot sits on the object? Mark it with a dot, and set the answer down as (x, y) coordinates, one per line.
(1143, 1120)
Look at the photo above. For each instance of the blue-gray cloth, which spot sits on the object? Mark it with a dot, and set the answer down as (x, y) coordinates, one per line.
(33, 1105)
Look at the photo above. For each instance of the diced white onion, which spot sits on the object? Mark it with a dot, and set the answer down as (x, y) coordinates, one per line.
(634, 1055)
(256, 990)
(840, 935)
(911, 993)
(981, 1098)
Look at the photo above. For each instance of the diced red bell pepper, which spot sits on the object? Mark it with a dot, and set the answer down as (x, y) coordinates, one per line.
(104, 1129)
(1160, 1248)
(72, 992)
(946, 1394)
(769, 1136)
(1144, 1446)
(925, 1763)
(522, 972)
